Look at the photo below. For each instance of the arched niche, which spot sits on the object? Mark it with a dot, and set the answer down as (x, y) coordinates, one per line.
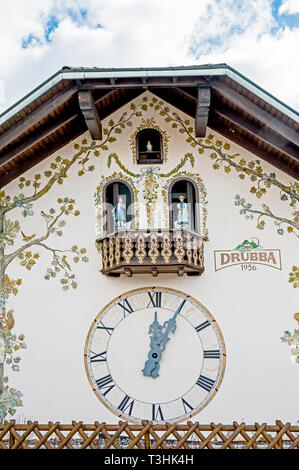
(183, 200)
(149, 147)
(118, 207)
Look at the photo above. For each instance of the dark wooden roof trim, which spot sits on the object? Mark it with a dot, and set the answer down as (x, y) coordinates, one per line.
(276, 141)
(56, 116)
(256, 111)
(229, 130)
(145, 82)
(35, 149)
(231, 133)
(43, 153)
(33, 118)
(47, 131)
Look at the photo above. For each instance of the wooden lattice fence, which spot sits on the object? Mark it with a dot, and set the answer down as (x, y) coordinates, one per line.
(147, 435)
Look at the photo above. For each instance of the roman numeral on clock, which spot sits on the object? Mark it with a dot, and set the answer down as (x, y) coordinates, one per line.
(156, 410)
(211, 354)
(202, 326)
(205, 383)
(125, 305)
(101, 357)
(104, 382)
(186, 406)
(126, 403)
(155, 299)
(107, 328)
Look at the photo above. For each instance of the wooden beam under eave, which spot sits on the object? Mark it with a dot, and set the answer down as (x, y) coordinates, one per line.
(247, 106)
(228, 132)
(269, 138)
(37, 157)
(202, 110)
(27, 144)
(90, 113)
(36, 116)
(152, 82)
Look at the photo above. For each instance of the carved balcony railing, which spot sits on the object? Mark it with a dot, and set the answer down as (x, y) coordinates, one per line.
(152, 251)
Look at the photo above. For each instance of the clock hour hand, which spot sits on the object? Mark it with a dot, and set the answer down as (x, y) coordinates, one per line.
(154, 355)
(159, 339)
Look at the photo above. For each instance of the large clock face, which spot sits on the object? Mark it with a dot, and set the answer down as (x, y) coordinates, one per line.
(155, 354)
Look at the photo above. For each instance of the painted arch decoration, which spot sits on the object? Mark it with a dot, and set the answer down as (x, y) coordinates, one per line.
(202, 199)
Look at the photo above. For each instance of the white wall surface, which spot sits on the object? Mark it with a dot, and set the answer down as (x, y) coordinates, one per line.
(252, 308)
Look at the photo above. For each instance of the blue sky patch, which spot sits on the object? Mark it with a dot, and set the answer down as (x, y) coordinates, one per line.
(283, 20)
(51, 25)
(78, 17)
(31, 41)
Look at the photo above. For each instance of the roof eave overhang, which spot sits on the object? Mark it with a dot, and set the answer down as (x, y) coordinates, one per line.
(144, 74)
(77, 99)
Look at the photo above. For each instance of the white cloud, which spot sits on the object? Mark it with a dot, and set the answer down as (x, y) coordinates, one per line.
(146, 33)
(289, 7)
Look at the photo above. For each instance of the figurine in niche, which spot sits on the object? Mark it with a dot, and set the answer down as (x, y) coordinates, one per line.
(119, 214)
(183, 216)
(149, 146)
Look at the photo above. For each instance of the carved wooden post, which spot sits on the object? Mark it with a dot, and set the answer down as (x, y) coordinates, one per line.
(12, 439)
(111, 251)
(153, 249)
(147, 443)
(202, 110)
(90, 113)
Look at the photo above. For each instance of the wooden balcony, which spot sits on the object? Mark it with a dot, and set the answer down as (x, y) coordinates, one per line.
(152, 252)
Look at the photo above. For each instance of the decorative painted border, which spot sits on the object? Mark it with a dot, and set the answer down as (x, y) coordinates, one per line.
(98, 196)
(220, 379)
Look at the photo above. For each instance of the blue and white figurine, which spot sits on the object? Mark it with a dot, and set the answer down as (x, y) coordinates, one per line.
(183, 215)
(119, 214)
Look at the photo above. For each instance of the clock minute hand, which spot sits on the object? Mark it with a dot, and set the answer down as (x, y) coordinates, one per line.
(171, 323)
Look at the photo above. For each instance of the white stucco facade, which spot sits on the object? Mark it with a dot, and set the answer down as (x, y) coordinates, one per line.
(252, 308)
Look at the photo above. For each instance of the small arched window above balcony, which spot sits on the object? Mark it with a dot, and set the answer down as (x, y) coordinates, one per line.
(183, 205)
(118, 211)
(149, 147)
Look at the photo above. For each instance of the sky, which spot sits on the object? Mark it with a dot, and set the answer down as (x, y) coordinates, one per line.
(259, 38)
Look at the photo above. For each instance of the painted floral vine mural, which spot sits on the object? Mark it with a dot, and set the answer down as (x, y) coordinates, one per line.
(294, 276)
(54, 219)
(292, 339)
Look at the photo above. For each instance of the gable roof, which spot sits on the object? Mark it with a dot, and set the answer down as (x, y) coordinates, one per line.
(74, 99)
